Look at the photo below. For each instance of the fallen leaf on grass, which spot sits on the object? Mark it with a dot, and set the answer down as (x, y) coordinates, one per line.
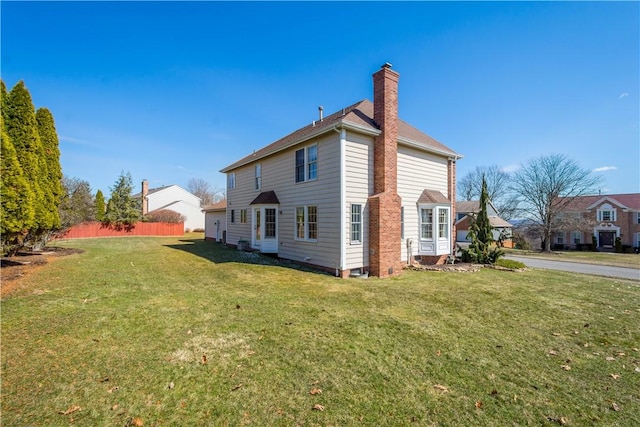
(112, 389)
(318, 407)
(478, 404)
(237, 387)
(556, 334)
(135, 422)
(566, 367)
(561, 420)
(553, 352)
(171, 385)
(615, 407)
(315, 391)
(609, 358)
(441, 388)
(614, 376)
(70, 410)
(620, 353)
(204, 359)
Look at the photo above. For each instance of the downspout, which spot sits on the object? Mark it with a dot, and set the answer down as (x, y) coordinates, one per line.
(343, 197)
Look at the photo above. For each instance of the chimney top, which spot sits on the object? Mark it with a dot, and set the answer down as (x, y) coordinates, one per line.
(386, 65)
(320, 113)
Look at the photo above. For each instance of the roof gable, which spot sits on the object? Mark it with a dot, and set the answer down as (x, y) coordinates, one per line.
(629, 201)
(433, 196)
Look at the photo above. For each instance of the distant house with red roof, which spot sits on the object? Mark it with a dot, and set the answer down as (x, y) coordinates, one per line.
(608, 217)
(502, 230)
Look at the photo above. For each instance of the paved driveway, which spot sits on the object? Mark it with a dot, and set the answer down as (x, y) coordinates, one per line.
(575, 267)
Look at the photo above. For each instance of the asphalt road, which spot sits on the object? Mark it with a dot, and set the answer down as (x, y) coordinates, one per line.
(598, 270)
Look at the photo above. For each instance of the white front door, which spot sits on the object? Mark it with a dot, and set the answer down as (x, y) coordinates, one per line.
(265, 228)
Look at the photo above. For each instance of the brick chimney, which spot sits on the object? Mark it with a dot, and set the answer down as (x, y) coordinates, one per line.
(145, 193)
(384, 205)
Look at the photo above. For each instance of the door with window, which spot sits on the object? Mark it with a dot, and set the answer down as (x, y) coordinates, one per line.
(265, 229)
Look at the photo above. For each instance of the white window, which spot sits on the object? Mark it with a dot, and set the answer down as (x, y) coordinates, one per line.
(307, 164)
(402, 223)
(606, 213)
(577, 237)
(356, 223)
(426, 223)
(231, 181)
(637, 217)
(306, 223)
(637, 240)
(270, 222)
(443, 223)
(258, 170)
(560, 238)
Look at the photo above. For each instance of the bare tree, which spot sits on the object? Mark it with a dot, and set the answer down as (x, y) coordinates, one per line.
(546, 185)
(498, 189)
(205, 191)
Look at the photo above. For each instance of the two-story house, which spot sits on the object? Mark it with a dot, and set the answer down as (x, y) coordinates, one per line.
(357, 191)
(606, 217)
(175, 198)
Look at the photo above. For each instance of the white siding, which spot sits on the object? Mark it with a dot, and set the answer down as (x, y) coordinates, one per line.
(179, 200)
(417, 171)
(359, 178)
(211, 230)
(278, 174)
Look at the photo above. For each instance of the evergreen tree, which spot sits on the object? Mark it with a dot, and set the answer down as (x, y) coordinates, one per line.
(3, 99)
(481, 234)
(51, 183)
(99, 205)
(16, 201)
(22, 130)
(122, 209)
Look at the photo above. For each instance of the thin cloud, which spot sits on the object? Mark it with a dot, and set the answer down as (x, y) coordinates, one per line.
(623, 95)
(510, 168)
(605, 169)
(75, 141)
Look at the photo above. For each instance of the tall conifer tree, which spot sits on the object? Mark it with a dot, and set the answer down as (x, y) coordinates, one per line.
(16, 200)
(22, 130)
(100, 207)
(52, 182)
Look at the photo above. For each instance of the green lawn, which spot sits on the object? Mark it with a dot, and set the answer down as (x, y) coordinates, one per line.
(602, 258)
(173, 332)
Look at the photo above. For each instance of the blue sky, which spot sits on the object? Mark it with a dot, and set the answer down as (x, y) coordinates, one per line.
(171, 91)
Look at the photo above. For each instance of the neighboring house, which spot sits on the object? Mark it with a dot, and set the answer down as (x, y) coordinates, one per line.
(604, 216)
(215, 221)
(356, 191)
(501, 228)
(175, 198)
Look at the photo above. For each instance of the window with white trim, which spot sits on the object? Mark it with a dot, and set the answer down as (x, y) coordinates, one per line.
(356, 223)
(402, 223)
(560, 238)
(426, 223)
(576, 237)
(258, 175)
(243, 216)
(231, 180)
(637, 217)
(606, 213)
(306, 163)
(306, 223)
(233, 215)
(637, 240)
(443, 223)
(270, 222)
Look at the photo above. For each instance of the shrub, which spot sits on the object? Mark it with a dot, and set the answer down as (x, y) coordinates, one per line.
(165, 215)
(594, 244)
(618, 245)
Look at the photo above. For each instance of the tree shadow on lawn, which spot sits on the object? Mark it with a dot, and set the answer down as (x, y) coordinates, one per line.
(219, 253)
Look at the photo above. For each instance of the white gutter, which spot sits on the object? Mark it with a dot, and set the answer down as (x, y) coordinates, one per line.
(343, 195)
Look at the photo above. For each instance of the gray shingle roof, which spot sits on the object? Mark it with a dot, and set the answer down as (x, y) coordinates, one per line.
(358, 115)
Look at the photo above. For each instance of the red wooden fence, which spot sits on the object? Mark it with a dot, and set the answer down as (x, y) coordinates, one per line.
(97, 229)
